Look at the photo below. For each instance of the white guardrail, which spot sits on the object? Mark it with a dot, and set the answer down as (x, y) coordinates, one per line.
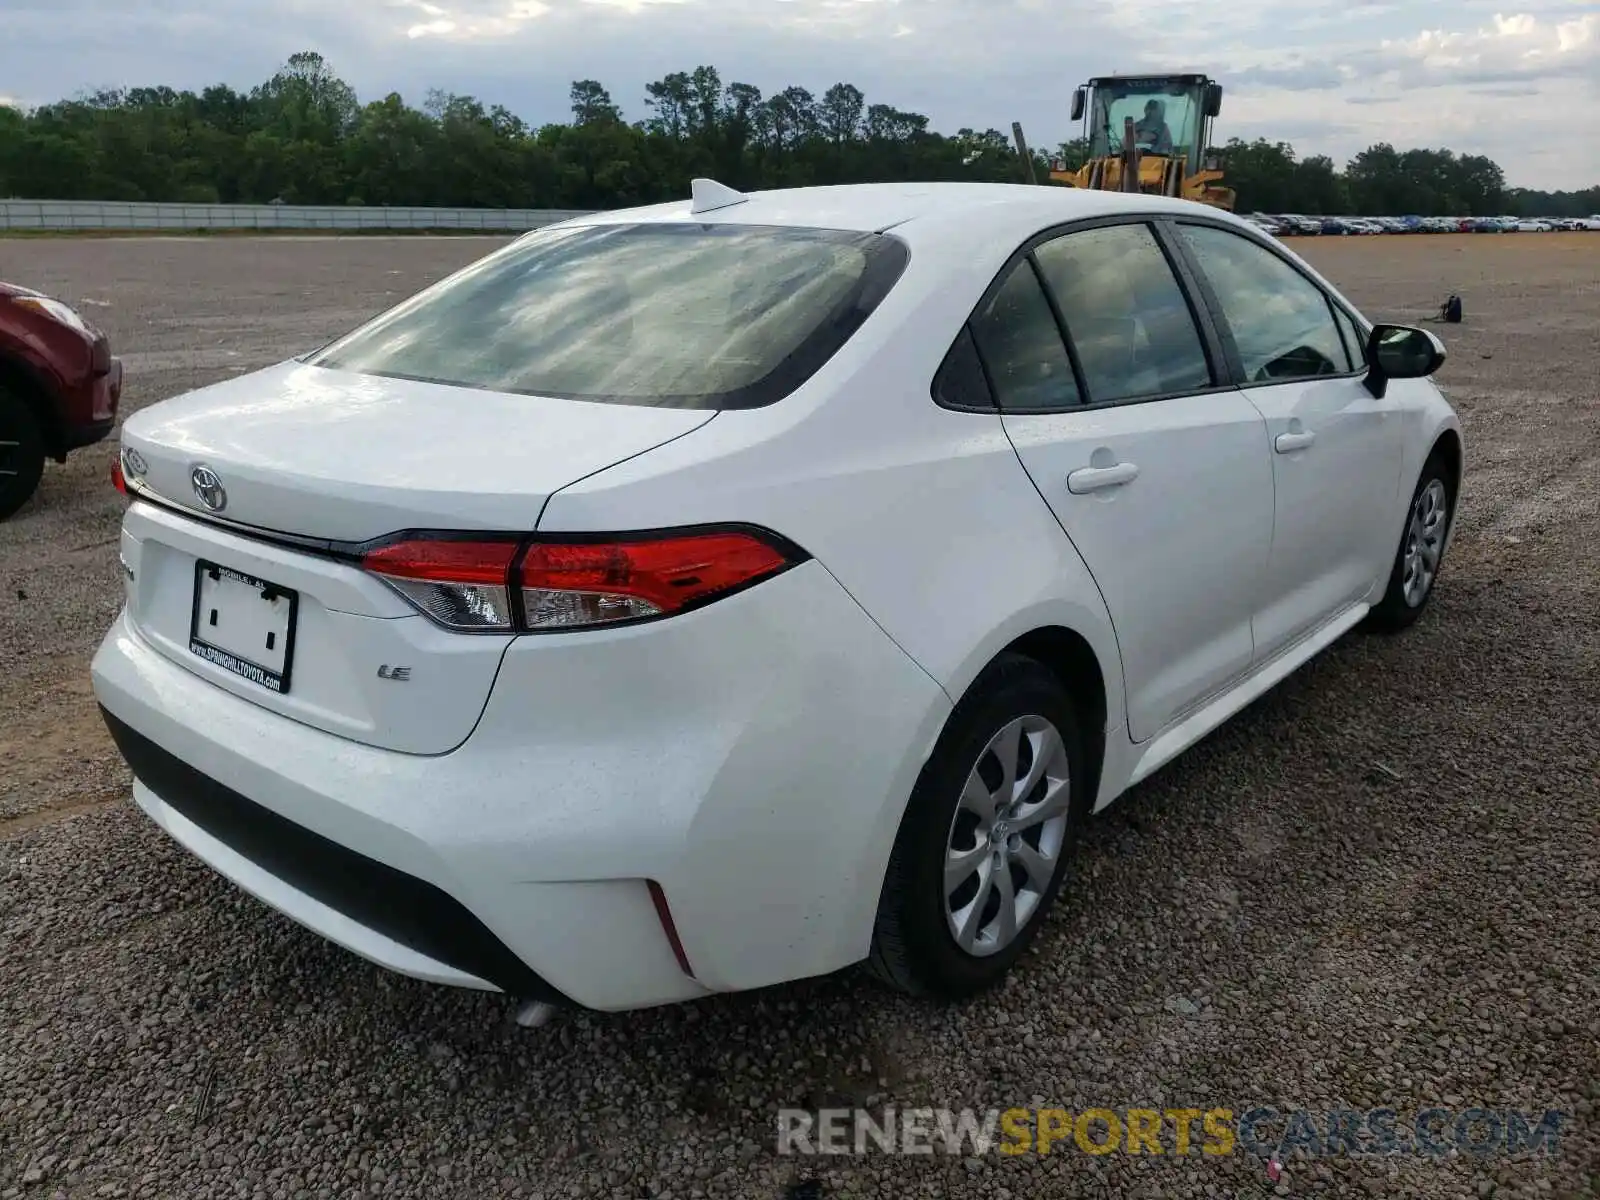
(110, 215)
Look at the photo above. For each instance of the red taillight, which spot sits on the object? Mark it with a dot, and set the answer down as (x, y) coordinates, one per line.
(572, 584)
(117, 481)
(460, 584)
(551, 585)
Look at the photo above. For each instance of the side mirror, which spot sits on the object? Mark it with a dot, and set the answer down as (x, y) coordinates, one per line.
(1400, 352)
(1213, 99)
(1078, 98)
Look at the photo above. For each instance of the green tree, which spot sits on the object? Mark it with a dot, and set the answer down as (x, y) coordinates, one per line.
(302, 136)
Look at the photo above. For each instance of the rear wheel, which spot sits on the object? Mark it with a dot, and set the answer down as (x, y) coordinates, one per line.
(21, 452)
(1421, 552)
(980, 852)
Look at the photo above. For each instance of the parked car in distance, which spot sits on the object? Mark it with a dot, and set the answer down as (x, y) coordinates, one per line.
(1534, 226)
(692, 598)
(1266, 224)
(1301, 226)
(59, 388)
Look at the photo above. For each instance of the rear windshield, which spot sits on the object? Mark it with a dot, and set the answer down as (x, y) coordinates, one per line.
(673, 316)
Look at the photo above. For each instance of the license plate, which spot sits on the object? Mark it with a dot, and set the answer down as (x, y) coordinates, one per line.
(244, 625)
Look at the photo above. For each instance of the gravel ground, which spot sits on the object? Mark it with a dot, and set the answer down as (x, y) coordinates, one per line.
(1378, 886)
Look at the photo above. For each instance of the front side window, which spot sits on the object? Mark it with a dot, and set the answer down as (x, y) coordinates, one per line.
(669, 315)
(1281, 322)
(1125, 314)
(1021, 346)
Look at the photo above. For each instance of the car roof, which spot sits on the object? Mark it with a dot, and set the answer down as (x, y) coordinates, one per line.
(913, 210)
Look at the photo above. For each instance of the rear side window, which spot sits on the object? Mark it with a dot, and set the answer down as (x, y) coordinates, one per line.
(960, 382)
(1125, 313)
(1022, 348)
(672, 316)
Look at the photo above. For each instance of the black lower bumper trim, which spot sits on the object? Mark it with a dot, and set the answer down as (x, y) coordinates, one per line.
(401, 907)
(79, 436)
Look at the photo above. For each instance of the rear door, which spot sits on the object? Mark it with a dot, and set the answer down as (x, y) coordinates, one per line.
(1156, 471)
(1335, 449)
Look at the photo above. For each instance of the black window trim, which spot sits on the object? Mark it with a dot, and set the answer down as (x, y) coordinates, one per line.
(1004, 277)
(1358, 352)
(1223, 369)
(983, 369)
(1080, 382)
(1169, 228)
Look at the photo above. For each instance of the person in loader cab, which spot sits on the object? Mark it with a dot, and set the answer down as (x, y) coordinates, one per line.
(1151, 130)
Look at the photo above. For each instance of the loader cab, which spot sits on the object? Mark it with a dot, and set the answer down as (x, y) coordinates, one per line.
(1187, 104)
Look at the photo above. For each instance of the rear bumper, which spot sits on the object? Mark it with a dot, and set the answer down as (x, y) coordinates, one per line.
(395, 919)
(752, 758)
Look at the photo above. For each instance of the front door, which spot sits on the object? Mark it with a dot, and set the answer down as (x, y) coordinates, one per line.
(1335, 449)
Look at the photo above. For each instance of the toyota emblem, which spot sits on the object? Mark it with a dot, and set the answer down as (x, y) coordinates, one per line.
(209, 488)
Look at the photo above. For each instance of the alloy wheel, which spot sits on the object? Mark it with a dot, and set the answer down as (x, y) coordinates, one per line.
(1006, 837)
(1424, 542)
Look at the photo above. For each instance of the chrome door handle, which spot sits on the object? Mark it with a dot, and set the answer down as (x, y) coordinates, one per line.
(1287, 443)
(1093, 479)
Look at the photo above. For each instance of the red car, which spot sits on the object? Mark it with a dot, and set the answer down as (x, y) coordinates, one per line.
(59, 388)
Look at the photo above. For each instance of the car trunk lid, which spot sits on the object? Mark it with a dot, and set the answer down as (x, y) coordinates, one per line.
(261, 591)
(348, 457)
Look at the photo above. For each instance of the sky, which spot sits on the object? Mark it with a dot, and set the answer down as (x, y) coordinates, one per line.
(1517, 80)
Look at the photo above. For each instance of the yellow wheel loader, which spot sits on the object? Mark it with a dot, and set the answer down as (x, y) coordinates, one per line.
(1149, 133)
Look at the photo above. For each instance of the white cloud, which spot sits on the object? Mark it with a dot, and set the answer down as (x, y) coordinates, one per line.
(1511, 46)
(631, 6)
(501, 22)
(1490, 85)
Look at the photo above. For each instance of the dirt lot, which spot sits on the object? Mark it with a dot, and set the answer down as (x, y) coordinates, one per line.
(1376, 887)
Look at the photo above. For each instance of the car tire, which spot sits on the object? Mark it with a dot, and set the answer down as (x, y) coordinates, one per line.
(21, 452)
(916, 947)
(1420, 555)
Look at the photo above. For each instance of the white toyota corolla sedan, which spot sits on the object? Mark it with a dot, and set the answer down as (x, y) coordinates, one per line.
(698, 597)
